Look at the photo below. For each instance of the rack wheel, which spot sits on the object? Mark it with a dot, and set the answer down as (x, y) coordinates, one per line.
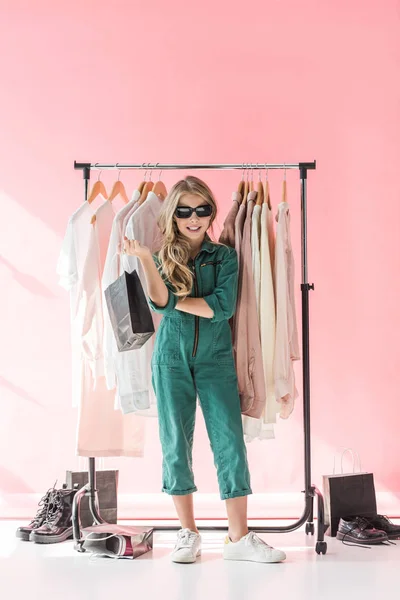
(321, 548)
(309, 528)
(78, 546)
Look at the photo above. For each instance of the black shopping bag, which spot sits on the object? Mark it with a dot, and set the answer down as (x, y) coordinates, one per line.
(107, 486)
(348, 495)
(129, 312)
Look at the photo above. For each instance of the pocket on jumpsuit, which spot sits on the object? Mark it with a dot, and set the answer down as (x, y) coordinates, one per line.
(166, 346)
(222, 349)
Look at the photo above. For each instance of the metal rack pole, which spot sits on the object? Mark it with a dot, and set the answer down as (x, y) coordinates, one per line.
(310, 490)
(194, 166)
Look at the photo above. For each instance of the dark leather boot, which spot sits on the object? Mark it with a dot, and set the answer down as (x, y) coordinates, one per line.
(383, 523)
(23, 533)
(57, 526)
(358, 530)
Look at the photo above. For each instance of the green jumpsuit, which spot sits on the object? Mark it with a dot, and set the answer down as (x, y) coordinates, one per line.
(194, 356)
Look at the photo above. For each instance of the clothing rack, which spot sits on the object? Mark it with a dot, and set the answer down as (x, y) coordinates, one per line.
(310, 490)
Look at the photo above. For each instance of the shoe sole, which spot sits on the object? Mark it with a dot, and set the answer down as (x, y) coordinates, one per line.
(375, 541)
(270, 562)
(23, 536)
(188, 560)
(53, 539)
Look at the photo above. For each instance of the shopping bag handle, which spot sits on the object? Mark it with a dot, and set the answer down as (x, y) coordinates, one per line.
(127, 260)
(352, 452)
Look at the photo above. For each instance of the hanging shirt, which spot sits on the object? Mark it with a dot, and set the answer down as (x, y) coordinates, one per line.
(267, 313)
(247, 333)
(239, 224)
(261, 428)
(227, 237)
(255, 253)
(102, 431)
(90, 293)
(286, 341)
(69, 269)
(271, 240)
(74, 247)
(111, 274)
(125, 222)
(256, 429)
(133, 369)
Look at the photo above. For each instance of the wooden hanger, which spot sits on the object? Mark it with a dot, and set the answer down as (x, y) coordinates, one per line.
(246, 188)
(284, 192)
(141, 186)
(147, 188)
(267, 199)
(251, 188)
(142, 183)
(241, 184)
(159, 188)
(96, 190)
(284, 189)
(260, 192)
(118, 189)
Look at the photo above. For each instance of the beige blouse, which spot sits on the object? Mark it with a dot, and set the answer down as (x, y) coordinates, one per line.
(286, 339)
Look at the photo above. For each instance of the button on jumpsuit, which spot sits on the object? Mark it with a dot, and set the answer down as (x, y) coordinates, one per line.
(194, 356)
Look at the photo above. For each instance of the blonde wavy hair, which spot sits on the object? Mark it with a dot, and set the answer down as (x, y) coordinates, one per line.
(174, 253)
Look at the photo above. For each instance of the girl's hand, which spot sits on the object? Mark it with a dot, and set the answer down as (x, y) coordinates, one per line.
(134, 248)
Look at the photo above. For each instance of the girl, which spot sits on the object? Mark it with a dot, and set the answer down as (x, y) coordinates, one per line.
(192, 281)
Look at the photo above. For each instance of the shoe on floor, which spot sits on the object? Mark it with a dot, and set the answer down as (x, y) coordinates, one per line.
(57, 526)
(24, 533)
(187, 547)
(251, 547)
(358, 530)
(384, 524)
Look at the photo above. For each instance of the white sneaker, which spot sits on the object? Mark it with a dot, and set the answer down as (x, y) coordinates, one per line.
(251, 547)
(187, 547)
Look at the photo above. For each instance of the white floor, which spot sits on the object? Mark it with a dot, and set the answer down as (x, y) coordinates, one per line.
(33, 571)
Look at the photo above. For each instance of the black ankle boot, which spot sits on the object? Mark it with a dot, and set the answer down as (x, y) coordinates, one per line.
(57, 526)
(24, 533)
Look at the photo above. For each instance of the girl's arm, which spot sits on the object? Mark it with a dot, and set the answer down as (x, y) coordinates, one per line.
(195, 306)
(221, 303)
(216, 306)
(156, 288)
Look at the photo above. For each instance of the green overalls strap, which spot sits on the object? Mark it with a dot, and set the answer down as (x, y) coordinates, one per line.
(193, 356)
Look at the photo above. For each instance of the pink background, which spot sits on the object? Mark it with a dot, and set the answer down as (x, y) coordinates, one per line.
(216, 82)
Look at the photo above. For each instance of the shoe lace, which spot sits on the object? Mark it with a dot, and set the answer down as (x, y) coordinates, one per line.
(55, 508)
(186, 537)
(43, 506)
(253, 538)
(362, 523)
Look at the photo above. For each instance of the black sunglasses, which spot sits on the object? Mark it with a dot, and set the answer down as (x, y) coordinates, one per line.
(184, 212)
